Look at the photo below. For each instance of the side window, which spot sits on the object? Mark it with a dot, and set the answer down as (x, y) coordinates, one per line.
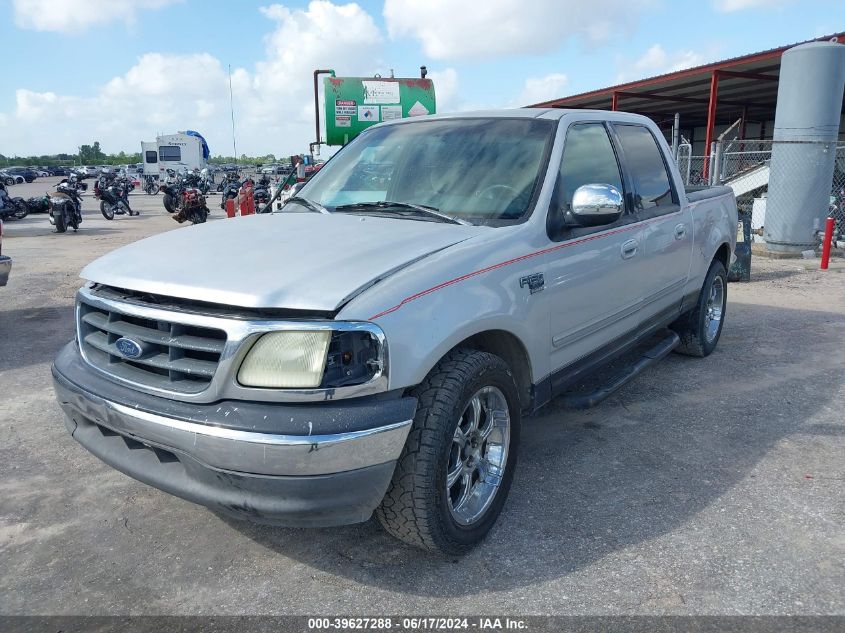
(588, 158)
(170, 153)
(652, 188)
(151, 156)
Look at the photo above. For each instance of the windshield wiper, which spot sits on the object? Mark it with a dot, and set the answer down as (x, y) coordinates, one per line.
(423, 209)
(308, 204)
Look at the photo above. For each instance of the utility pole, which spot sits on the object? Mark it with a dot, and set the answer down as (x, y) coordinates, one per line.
(232, 110)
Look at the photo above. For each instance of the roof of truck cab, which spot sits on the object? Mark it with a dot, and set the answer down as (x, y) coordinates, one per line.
(513, 113)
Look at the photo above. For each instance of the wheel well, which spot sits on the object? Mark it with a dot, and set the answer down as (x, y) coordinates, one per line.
(723, 254)
(510, 349)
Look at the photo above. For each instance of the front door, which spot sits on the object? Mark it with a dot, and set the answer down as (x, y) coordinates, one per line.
(594, 278)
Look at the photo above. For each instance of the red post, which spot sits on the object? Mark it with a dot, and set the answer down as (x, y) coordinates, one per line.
(711, 120)
(828, 239)
(614, 102)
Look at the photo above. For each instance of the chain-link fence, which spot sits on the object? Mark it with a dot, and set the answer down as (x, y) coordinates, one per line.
(745, 166)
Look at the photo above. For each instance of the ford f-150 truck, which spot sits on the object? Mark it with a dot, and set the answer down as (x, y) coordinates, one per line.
(374, 345)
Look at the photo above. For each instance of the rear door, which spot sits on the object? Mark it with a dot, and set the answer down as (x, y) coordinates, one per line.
(149, 156)
(665, 227)
(593, 283)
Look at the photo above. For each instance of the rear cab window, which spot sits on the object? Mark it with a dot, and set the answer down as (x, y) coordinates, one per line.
(653, 193)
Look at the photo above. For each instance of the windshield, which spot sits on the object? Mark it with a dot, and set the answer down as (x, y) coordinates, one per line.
(483, 171)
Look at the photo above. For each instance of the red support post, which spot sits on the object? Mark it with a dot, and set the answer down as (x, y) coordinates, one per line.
(826, 243)
(614, 102)
(711, 121)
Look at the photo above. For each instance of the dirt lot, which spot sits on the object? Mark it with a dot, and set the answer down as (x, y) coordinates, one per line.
(704, 487)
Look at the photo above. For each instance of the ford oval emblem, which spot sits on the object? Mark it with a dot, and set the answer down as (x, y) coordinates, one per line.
(128, 348)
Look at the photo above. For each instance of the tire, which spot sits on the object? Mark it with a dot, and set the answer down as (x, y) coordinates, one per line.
(21, 208)
(107, 210)
(700, 328)
(9, 182)
(59, 218)
(420, 507)
(169, 203)
(199, 216)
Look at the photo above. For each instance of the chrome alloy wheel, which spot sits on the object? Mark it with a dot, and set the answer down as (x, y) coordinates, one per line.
(714, 309)
(478, 455)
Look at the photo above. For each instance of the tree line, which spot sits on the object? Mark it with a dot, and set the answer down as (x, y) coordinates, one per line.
(94, 155)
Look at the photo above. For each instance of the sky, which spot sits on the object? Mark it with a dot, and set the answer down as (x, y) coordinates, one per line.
(122, 71)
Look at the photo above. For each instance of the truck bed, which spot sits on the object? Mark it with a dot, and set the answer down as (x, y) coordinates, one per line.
(698, 193)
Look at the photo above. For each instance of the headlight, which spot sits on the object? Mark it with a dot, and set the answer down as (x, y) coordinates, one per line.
(286, 360)
(314, 359)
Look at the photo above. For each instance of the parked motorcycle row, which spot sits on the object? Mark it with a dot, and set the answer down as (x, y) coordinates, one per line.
(184, 196)
(64, 207)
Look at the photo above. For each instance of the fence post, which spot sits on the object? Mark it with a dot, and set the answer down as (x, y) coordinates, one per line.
(710, 164)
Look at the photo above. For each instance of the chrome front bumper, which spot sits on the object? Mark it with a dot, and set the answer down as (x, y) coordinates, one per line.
(326, 478)
(241, 451)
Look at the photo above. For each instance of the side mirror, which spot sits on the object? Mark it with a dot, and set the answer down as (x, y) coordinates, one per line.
(595, 205)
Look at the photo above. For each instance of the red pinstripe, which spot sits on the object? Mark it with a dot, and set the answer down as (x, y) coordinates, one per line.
(475, 273)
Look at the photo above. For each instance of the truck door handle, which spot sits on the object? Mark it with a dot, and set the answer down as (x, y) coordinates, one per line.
(629, 249)
(680, 231)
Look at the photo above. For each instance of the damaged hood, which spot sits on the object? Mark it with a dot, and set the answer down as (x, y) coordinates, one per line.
(302, 261)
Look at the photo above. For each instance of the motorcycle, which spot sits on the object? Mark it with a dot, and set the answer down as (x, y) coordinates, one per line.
(11, 208)
(114, 196)
(172, 190)
(192, 207)
(261, 194)
(75, 181)
(206, 181)
(38, 204)
(150, 186)
(65, 207)
(231, 186)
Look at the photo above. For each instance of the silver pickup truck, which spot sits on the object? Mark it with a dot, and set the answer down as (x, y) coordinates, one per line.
(374, 345)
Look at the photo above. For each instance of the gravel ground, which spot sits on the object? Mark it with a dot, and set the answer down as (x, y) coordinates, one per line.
(708, 486)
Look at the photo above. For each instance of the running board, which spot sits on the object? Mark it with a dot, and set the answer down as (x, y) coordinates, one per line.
(575, 400)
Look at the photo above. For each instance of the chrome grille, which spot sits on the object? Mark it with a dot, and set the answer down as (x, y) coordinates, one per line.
(177, 357)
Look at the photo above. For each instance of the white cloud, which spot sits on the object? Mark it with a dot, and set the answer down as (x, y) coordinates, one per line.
(445, 89)
(656, 61)
(728, 6)
(75, 16)
(165, 92)
(539, 89)
(455, 29)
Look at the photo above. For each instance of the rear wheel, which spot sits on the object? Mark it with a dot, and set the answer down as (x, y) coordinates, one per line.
(59, 218)
(169, 203)
(107, 210)
(456, 468)
(700, 328)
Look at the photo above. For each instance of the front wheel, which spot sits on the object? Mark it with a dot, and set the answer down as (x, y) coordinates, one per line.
(21, 208)
(107, 210)
(700, 328)
(456, 468)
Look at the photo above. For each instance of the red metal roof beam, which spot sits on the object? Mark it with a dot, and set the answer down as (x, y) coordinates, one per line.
(659, 97)
(743, 75)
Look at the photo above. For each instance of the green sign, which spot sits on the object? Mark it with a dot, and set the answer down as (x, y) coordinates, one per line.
(355, 103)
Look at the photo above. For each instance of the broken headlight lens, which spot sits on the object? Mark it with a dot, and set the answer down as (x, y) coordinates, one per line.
(314, 359)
